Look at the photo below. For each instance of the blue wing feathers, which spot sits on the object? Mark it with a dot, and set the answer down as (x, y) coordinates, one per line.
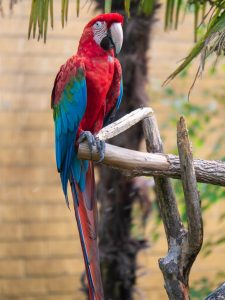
(76, 169)
(68, 114)
(120, 96)
(109, 118)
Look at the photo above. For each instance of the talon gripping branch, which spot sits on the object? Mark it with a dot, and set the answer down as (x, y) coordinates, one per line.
(86, 94)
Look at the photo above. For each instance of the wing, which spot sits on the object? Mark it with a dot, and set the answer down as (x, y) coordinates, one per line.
(115, 94)
(69, 99)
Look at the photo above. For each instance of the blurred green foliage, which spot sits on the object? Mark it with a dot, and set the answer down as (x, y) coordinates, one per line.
(202, 129)
(199, 118)
(203, 287)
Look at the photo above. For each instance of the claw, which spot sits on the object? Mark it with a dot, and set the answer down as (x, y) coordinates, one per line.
(101, 149)
(88, 136)
(93, 141)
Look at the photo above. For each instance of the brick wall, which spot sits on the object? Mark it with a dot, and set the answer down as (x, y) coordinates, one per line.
(40, 256)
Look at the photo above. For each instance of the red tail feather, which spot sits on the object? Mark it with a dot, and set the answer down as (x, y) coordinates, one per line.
(85, 208)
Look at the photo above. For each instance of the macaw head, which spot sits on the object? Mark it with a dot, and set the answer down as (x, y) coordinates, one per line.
(105, 32)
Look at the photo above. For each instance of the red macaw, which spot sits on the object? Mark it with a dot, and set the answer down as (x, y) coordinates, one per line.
(86, 94)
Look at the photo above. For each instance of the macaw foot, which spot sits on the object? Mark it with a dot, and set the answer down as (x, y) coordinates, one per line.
(101, 148)
(87, 136)
(93, 141)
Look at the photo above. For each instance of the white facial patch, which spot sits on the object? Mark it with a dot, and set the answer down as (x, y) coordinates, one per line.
(100, 31)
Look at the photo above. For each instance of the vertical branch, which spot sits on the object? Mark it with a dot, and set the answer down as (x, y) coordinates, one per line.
(183, 245)
(165, 195)
(191, 195)
(175, 232)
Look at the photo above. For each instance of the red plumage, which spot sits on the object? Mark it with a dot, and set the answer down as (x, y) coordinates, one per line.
(102, 72)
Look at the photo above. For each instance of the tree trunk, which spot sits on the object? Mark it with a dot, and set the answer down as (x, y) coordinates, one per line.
(115, 192)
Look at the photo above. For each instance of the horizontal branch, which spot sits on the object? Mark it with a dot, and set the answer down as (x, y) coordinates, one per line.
(124, 123)
(136, 163)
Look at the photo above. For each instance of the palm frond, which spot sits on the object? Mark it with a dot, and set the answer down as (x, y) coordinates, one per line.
(146, 6)
(212, 42)
(42, 10)
(1, 9)
(127, 7)
(108, 6)
(39, 15)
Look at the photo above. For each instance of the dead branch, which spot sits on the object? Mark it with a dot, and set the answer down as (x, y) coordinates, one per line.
(175, 231)
(218, 294)
(191, 195)
(183, 245)
(164, 191)
(136, 163)
(124, 123)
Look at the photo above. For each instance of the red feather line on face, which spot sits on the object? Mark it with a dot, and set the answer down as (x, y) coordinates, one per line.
(108, 18)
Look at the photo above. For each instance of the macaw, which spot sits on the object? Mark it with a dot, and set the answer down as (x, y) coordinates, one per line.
(86, 94)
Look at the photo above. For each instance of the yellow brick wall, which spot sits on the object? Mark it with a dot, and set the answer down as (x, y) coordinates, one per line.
(40, 256)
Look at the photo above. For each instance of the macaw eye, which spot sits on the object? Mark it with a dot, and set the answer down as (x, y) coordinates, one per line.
(98, 24)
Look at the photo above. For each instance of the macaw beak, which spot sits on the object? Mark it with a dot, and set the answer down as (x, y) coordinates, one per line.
(116, 34)
(113, 39)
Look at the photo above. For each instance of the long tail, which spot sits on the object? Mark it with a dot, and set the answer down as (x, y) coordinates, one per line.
(85, 208)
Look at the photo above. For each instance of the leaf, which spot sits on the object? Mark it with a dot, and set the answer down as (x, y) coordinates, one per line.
(46, 7)
(41, 12)
(108, 6)
(212, 41)
(127, 7)
(66, 9)
(35, 15)
(179, 2)
(78, 7)
(63, 12)
(194, 52)
(167, 14)
(172, 5)
(51, 13)
(196, 8)
(147, 7)
(31, 18)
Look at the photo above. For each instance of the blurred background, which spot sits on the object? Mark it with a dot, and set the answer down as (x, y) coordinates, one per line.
(40, 255)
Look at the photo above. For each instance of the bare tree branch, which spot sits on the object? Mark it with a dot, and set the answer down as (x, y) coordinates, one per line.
(191, 195)
(124, 123)
(218, 294)
(136, 163)
(164, 191)
(183, 245)
(174, 228)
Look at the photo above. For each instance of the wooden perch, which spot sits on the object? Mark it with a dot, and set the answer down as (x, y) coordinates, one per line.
(124, 123)
(183, 244)
(136, 163)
